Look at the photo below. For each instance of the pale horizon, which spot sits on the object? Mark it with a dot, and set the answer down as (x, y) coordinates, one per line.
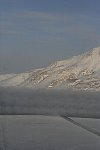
(36, 33)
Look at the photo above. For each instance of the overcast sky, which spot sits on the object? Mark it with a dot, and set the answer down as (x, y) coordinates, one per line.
(35, 33)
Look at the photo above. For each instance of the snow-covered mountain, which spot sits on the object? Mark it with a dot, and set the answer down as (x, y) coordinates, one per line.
(78, 72)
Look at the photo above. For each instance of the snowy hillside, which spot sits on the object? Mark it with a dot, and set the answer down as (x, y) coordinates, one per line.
(78, 72)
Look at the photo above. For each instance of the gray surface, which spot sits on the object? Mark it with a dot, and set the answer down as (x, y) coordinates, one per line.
(49, 102)
(45, 133)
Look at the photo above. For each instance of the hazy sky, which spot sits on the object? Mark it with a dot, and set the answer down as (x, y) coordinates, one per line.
(35, 33)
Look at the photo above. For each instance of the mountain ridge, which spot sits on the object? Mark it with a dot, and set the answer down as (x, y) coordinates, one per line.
(77, 72)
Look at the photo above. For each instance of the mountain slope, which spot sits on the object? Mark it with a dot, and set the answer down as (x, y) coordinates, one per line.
(78, 72)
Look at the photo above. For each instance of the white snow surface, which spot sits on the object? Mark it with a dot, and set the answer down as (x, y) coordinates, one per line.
(79, 72)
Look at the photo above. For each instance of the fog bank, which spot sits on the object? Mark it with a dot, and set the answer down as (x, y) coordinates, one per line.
(49, 102)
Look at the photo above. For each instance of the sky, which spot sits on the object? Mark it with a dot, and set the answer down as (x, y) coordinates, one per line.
(36, 33)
